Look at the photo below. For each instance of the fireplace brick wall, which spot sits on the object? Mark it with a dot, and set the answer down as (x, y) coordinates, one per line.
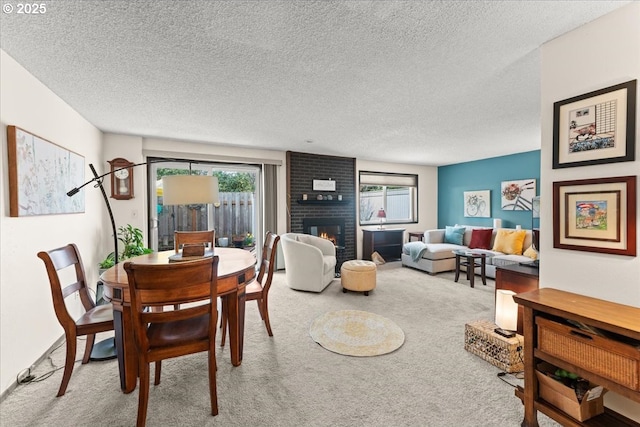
(302, 169)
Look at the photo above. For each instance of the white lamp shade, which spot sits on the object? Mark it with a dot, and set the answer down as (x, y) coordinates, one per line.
(189, 189)
(497, 223)
(506, 310)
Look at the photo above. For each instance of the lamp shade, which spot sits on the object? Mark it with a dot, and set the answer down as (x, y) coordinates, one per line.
(506, 310)
(381, 213)
(189, 189)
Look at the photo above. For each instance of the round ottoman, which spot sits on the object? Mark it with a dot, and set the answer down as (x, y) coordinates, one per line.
(358, 275)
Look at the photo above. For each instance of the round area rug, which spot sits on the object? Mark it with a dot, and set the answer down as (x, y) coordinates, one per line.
(356, 333)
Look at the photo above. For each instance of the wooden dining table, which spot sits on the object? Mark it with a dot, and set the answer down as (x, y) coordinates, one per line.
(236, 268)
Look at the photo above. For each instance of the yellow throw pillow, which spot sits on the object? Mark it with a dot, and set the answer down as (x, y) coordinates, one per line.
(531, 253)
(509, 241)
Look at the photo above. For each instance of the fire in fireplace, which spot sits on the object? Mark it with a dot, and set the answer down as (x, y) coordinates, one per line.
(331, 229)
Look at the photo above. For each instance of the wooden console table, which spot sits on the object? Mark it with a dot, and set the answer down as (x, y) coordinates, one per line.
(387, 242)
(517, 278)
(610, 358)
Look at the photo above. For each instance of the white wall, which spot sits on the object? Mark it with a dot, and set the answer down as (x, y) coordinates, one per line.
(28, 326)
(600, 54)
(427, 195)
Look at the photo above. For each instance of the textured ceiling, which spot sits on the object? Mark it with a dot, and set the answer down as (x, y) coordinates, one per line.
(425, 82)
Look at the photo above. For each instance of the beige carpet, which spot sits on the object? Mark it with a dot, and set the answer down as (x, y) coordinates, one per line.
(356, 333)
(288, 380)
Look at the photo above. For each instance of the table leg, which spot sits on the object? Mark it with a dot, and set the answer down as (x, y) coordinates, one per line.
(471, 270)
(483, 270)
(235, 303)
(457, 268)
(125, 348)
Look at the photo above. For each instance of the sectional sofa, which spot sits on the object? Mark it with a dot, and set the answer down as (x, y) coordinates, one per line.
(435, 255)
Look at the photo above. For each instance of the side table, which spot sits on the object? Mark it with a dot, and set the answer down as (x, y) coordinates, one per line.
(339, 259)
(415, 234)
(471, 264)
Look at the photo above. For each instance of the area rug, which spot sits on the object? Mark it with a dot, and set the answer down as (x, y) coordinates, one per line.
(356, 333)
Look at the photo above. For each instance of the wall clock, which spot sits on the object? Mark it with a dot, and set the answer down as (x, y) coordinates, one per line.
(121, 179)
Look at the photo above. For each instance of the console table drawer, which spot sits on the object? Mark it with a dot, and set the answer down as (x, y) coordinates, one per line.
(605, 357)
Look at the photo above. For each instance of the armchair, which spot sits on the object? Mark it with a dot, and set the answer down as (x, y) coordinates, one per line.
(310, 261)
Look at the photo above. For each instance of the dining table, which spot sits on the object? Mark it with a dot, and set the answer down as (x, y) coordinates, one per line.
(236, 268)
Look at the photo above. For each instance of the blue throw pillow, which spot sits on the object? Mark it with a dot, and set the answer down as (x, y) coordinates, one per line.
(453, 235)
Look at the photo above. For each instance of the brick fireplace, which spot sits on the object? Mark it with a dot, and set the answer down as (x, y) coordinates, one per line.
(302, 169)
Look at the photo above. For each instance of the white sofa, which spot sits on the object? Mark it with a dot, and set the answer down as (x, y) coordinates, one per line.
(309, 261)
(437, 256)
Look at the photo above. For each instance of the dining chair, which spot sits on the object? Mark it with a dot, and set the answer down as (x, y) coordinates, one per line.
(258, 289)
(181, 238)
(96, 318)
(191, 328)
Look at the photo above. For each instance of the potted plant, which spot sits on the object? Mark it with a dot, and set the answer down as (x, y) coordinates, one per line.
(133, 245)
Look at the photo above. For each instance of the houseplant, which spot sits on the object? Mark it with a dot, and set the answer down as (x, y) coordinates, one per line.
(133, 240)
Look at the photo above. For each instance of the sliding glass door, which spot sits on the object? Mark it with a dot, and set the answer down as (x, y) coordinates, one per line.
(235, 218)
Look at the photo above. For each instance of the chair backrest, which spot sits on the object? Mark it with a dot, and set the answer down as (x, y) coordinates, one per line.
(60, 259)
(268, 262)
(170, 284)
(182, 237)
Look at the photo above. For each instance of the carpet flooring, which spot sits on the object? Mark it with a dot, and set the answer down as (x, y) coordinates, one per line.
(289, 380)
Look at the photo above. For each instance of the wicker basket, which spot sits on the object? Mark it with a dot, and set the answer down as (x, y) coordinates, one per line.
(605, 357)
(505, 353)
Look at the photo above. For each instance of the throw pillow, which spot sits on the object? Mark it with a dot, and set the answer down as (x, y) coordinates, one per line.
(531, 253)
(509, 241)
(453, 235)
(481, 238)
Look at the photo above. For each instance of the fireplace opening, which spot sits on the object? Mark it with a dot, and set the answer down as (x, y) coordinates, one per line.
(331, 229)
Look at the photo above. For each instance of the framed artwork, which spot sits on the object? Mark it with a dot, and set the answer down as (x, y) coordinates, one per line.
(518, 195)
(594, 128)
(40, 174)
(477, 204)
(324, 185)
(595, 215)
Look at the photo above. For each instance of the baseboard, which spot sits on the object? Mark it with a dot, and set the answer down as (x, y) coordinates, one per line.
(46, 354)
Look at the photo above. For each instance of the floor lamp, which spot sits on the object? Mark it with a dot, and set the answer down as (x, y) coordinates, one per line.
(189, 190)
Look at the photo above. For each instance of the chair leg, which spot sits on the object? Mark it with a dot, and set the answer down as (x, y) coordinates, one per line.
(264, 311)
(157, 372)
(143, 396)
(213, 389)
(91, 339)
(68, 364)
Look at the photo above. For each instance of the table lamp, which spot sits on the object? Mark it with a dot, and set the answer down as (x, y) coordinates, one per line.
(382, 216)
(506, 313)
(189, 190)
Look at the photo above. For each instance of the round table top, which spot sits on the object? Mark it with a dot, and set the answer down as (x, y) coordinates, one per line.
(231, 262)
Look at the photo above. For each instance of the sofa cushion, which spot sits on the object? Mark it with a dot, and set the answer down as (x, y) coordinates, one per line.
(453, 235)
(481, 238)
(509, 241)
(531, 252)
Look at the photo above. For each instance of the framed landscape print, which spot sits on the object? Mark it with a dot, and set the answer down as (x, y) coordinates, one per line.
(595, 128)
(477, 204)
(40, 174)
(595, 215)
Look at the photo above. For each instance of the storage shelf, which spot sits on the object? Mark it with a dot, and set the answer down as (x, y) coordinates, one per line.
(609, 418)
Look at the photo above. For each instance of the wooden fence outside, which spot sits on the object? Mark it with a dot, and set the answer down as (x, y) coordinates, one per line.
(233, 217)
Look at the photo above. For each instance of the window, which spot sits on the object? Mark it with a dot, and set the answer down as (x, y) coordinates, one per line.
(396, 193)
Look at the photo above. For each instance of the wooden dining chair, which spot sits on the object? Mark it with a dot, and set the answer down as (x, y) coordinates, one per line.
(189, 329)
(181, 238)
(95, 319)
(258, 289)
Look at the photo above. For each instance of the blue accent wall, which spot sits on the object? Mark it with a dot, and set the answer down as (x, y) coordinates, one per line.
(486, 174)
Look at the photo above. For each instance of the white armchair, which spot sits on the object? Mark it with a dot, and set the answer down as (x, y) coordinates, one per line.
(309, 261)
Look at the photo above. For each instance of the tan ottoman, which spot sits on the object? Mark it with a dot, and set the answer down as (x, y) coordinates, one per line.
(358, 275)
